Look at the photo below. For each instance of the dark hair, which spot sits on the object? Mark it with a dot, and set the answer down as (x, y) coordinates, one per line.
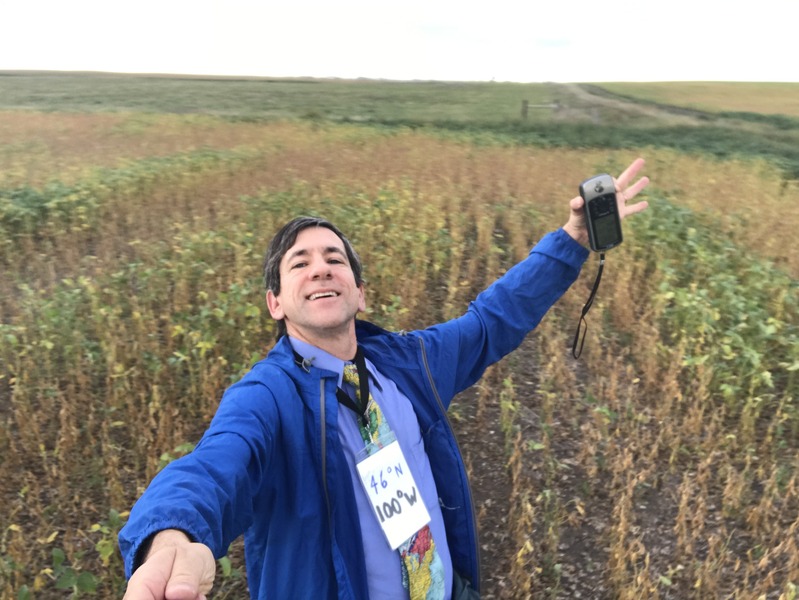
(285, 238)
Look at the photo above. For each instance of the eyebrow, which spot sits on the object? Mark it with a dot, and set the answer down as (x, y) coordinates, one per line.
(327, 250)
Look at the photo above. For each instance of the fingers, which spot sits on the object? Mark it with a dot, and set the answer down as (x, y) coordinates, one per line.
(192, 573)
(626, 192)
(174, 573)
(634, 208)
(632, 191)
(629, 173)
(150, 579)
(575, 226)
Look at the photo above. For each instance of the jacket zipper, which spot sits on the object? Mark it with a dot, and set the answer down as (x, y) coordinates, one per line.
(475, 543)
(323, 432)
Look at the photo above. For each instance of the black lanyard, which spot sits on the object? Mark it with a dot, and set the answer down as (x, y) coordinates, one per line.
(363, 381)
(576, 352)
(341, 395)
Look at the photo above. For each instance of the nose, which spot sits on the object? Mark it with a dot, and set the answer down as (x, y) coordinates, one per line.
(320, 268)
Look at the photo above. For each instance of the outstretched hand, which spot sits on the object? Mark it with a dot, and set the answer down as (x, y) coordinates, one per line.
(625, 192)
(175, 569)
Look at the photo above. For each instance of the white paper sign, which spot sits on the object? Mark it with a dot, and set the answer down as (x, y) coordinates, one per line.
(393, 494)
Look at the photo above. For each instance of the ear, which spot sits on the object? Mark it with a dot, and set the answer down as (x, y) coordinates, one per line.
(361, 298)
(274, 306)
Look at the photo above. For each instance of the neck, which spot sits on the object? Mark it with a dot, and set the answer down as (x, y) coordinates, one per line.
(340, 346)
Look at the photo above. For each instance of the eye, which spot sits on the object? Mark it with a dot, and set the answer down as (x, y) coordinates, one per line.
(297, 265)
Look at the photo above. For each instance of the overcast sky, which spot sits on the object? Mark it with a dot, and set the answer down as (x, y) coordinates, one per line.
(504, 40)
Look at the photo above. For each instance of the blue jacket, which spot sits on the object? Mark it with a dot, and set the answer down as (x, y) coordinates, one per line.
(270, 465)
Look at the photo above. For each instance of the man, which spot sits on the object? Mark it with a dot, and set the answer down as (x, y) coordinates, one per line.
(334, 456)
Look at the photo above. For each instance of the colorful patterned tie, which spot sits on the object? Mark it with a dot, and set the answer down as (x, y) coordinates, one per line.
(422, 570)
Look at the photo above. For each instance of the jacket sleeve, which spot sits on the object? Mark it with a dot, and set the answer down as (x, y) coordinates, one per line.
(498, 320)
(208, 493)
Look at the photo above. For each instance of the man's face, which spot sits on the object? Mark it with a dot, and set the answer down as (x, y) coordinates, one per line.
(318, 297)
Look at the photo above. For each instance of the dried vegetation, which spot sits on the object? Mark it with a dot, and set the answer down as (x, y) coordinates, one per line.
(663, 464)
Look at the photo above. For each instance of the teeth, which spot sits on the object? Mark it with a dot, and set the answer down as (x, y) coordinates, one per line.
(323, 295)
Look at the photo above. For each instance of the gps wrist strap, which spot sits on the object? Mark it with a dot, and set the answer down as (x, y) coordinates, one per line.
(582, 324)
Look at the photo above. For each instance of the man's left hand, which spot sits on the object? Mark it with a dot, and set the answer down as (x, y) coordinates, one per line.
(625, 192)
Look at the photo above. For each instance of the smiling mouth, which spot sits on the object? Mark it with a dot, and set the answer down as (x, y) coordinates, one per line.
(322, 295)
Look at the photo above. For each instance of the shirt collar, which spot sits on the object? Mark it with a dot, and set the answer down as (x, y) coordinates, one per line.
(324, 360)
(318, 358)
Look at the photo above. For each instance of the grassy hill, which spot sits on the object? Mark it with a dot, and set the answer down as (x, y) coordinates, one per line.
(685, 116)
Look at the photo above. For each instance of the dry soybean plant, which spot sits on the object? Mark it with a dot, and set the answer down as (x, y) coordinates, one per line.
(663, 464)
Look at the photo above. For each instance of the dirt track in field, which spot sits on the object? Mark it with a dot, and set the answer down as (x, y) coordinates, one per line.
(577, 99)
